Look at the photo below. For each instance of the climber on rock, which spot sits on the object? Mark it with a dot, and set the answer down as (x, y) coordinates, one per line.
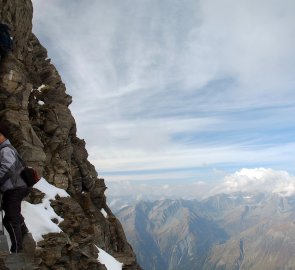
(5, 40)
(14, 190)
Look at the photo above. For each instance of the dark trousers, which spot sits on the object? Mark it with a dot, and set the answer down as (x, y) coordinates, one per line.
(3, 53)
(13, 220)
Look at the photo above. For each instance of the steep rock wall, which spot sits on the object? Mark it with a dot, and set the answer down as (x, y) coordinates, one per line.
(34, 104)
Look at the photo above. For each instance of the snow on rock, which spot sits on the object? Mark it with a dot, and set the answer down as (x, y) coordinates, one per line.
(105, 214)
(50, 190)
(41, 87)
(38, 217)
(109, 261)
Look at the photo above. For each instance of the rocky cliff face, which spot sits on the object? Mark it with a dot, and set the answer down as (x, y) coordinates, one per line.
(34, 104)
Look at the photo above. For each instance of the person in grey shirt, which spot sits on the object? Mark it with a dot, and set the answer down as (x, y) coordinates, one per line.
(14, 190)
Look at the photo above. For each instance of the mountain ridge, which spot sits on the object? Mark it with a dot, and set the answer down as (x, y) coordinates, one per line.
(226, 231)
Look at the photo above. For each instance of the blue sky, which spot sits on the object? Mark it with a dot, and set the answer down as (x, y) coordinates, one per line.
(177, 91)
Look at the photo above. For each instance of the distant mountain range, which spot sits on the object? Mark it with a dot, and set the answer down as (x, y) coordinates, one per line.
(225, 231)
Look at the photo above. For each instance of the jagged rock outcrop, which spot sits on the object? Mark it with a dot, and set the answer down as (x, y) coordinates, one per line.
(34, 104)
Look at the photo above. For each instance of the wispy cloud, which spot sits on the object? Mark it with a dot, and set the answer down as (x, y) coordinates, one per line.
(168, 84)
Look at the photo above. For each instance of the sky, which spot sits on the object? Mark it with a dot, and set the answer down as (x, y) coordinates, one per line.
(174, 92)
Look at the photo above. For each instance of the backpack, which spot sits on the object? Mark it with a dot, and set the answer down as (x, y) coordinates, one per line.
(30, 176)
(5, 39)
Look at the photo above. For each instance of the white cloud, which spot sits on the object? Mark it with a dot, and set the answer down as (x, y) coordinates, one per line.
(258, 180)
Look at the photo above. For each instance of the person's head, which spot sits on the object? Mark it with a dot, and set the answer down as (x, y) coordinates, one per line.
(4, 133)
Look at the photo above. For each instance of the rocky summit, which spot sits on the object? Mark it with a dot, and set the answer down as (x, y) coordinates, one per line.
(34, 104)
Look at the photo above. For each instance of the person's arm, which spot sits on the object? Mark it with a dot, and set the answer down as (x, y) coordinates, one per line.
(7, 159)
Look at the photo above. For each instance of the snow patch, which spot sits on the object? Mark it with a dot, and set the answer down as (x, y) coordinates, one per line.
(10, 75)
(40, 102)
(105, 214)
(38, 217)
(109, 261)
(41, 87)
(50, 190)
